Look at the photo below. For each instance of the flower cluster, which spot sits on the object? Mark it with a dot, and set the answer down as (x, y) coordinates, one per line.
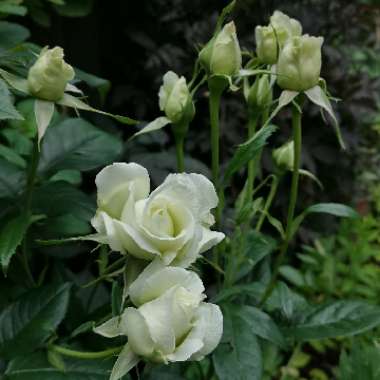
(170, 228)
(298, 57)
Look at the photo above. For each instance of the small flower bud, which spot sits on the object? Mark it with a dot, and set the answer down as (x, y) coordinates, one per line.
(271, 38)
(284, 156)
(175, 99)
(260, 94)
(48, 77)
(299, 64)
(222, 55)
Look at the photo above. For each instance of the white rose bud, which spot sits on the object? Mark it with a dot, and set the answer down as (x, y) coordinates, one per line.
(170, 322)
(274, 36)
(299, 64)
(48, 77)
(175, 99)
(284, 156)
(260, 94)
(172, 223)
(222, 55)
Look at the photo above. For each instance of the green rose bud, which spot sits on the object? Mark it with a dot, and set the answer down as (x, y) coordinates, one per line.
(48, 77)
(284, 156)
(299, 64)
(270, 38)
(175, 99)
(260, 94)
(222, 55)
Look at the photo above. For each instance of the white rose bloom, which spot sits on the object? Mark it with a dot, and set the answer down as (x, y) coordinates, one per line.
(171, 322)
(172, 223)
(175, 99)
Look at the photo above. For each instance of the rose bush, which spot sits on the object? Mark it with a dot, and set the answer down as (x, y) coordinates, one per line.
(172, 223)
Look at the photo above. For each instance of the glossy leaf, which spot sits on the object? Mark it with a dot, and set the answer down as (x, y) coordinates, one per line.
(28, 322)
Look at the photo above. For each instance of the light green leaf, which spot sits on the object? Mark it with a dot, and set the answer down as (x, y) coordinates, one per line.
(75, 144)
(44, 111)
(337, 319)
(306, 173)
(285, 98)
(238, 356)
(154, 125)
(11, 235)
(248, 151)
(225, 12)
(7, 109)
(318, 97)
(76, 103)
(28, 322)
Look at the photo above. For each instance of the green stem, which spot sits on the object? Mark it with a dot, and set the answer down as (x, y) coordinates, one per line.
(85, 355)
(297, 138)
(216, 88)
(32, 173)
(252, 124)
(179, 143)
(268, 203)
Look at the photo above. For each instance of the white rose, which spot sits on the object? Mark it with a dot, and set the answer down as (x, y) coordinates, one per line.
(48, 77)
(270, 38)
(222, 54)
(172, 223)
(170, 323)
(299, 63)
(175, 99)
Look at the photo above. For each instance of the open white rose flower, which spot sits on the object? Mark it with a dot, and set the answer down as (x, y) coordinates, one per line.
(170, 322)
(172, 223)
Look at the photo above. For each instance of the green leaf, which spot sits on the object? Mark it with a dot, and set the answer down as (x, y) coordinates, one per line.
(154, 125)
(254, 290)
(7, 109)
(337, 319)
(76, 144)
(12, 9)
(12, 34)
(318, 97)
(262, 324)
(238, 356)
(36, 367)
(16, 82)
(12, 156)
(335, 209)
(73, 177)
(12, 180)
(11, 236)
(257, 246)
(74, 8)
(28, 322)
(102, 85)
(248, 151)
(225, 12)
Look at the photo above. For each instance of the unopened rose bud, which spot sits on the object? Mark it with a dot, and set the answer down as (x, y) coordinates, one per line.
(222, 55)
(284, 156)
(48, 77)
(272, 38)
(260, 94)
(175, 99)
(299, 64)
